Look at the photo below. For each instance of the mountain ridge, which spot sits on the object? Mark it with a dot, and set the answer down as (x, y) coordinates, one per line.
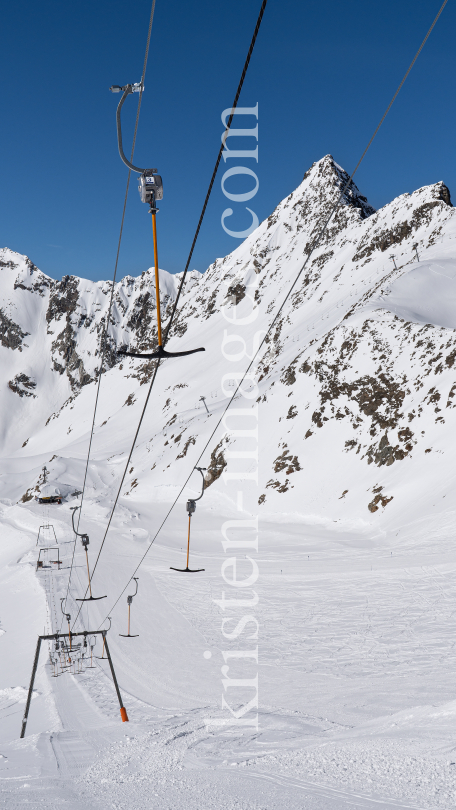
(328, 381)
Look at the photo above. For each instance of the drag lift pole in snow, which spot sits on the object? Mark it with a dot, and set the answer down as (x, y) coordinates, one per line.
(123, 711)
(129, 601)
(85, 543)
(30, 691)
(191, 509)
(150, 190)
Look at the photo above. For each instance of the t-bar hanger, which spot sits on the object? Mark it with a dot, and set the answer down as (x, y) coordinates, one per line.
(150, 190)
(129, 601)
(85, 542)
(191, 509)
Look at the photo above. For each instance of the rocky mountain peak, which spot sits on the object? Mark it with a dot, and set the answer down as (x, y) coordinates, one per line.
(310, 204)
(328, 178)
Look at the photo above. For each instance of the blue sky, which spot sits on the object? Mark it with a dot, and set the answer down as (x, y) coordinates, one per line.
(322, 74)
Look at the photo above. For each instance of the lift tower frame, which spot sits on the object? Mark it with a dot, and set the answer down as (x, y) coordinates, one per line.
(55, 637)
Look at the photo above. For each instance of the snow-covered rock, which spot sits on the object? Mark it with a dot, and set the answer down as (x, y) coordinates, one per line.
(355, 380)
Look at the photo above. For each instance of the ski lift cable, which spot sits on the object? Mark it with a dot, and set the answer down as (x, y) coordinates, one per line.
(123, 478)
(217, 163)
(168, 327)
(103, 341)
(313, 247)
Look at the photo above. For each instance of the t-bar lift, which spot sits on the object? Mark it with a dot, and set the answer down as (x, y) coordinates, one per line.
(191, 509)
(150, 190)
(129, 601)
(85, 543)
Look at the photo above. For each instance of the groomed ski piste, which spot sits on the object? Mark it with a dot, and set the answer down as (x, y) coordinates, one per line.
(354, 492)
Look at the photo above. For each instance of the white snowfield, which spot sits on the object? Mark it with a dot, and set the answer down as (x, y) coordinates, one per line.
(426, 294)
(351, 475)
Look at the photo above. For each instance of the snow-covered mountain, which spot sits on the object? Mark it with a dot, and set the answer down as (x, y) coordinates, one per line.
(340, 444)
(354, 385)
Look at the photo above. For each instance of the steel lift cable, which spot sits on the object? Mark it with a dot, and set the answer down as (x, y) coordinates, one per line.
(123, 476)
(191, 509)
(103, 341)
(168, 328)
(217, 163)
(313, 247)
(393, 99)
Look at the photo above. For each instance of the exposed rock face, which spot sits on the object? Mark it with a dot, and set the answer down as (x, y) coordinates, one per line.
(11, 335)
(390, 236)
(22, 385)
(75, 313)
(379, 500)
(286, 461)
(216, 466)
(63, 299)
(328, 174)
(445, 194)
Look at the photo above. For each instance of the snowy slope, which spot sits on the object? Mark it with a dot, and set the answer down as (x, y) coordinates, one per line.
(354, 393)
